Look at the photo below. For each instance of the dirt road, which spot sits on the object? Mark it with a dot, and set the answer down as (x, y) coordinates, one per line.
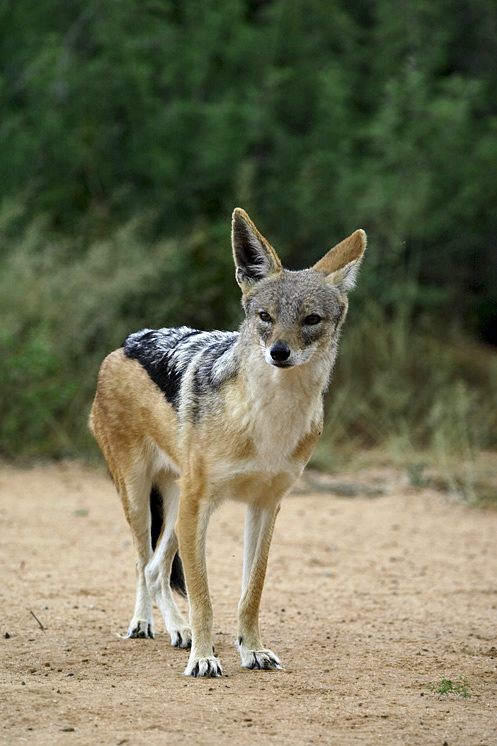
(368, 601)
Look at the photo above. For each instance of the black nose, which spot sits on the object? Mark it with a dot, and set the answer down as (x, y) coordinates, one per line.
(280, 353)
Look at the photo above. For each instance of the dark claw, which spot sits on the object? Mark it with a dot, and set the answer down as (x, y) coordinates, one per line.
(183, 643)
(216, 671)
(212, 670)
(140, 634)
(269, 664)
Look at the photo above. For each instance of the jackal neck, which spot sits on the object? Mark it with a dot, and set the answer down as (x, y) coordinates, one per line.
(273, 407)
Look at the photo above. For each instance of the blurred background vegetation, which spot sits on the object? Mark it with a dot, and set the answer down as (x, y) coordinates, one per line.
(130, 129)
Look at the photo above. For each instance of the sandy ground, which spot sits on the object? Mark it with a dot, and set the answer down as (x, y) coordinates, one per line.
(368, 601)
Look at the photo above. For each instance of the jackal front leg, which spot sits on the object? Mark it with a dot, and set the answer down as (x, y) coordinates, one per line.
(259, 525)
(191, 529)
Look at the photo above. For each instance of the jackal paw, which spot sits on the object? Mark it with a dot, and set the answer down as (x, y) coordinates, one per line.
(209, 667)
(264, 659)
(141, 628)
(181, 637)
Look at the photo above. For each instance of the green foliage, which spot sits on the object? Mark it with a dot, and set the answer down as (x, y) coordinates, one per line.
(399, 385)
(317, 116)
(131, 129)
(446, 686)
(64, 310)
(32, 396)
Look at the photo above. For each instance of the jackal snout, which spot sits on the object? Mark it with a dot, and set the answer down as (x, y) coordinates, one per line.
(280, 352)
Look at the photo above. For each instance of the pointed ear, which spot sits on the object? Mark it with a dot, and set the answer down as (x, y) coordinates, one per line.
(341, 264)
(254, 257)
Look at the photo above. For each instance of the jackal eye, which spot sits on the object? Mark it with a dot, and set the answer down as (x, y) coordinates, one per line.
(312, 319)
(264, 316)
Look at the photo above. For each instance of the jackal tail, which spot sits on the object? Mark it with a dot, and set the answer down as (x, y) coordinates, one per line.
(177, 578)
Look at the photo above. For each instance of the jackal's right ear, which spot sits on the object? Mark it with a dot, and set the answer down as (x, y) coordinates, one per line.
(254, 257)
(341, 264)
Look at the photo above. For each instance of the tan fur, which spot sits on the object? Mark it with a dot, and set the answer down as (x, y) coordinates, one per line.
(343, 253)
(250, 444)
(305, 446)
(126, 419)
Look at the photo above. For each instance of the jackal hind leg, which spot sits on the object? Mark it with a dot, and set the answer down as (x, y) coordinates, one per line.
(158, 570)
(259, 525)
(135, 494)
(193, 518)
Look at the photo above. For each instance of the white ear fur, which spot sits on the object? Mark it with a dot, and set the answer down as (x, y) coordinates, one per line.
(254, 256)
(341, 264)
(345, 277)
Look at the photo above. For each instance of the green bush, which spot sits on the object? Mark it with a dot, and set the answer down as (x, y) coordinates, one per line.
(63, 310)
(129, 132)
(317, 116)
(408, 389)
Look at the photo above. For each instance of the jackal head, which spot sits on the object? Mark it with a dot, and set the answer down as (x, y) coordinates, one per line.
(293, 315)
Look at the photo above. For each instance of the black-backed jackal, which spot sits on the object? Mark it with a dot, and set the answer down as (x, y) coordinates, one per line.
(186, 419)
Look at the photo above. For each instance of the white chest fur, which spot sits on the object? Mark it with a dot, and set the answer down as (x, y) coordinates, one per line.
(276, 408)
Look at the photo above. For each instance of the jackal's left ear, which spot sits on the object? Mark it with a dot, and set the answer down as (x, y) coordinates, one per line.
(254, 257)
(341, 264)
